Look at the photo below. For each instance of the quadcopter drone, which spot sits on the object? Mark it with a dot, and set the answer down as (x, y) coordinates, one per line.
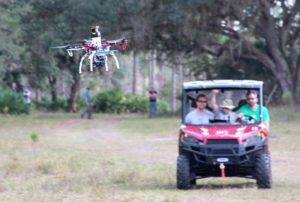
(97, 50)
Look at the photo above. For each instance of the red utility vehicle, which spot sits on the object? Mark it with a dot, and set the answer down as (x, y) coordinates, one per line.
(221, 147)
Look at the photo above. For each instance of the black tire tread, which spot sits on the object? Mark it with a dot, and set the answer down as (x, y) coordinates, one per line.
(183, 173)
(263, 171)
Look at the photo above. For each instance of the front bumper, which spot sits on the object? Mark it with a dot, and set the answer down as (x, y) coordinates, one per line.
(210, 154)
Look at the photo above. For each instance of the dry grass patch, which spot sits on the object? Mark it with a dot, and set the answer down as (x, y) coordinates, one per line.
(124, 158)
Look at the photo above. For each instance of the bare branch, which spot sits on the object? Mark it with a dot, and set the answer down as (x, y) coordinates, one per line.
(226, 31)
(256, 54)
(287, 22)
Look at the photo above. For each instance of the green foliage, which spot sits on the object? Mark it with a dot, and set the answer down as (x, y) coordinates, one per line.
(163, 107)
(110, 101)
(47, 104)
(115, 101)
(12, 102)
(287, 98)
(34, 137)
(11, 47)
(60, 104)
(195, 31)
(136, 103)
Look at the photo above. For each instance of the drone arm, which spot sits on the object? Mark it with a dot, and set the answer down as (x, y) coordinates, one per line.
(118, 42)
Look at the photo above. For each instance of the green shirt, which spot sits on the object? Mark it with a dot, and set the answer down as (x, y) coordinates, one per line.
(249, 112)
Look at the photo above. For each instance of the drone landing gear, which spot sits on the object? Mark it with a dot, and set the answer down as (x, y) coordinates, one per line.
(116, 60)
(106, 63)
(91, 57)
(81, 61)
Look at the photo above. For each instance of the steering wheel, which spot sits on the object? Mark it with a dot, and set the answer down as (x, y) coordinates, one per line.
(250, 118)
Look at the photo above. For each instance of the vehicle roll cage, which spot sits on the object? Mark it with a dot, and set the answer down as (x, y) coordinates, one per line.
(220, 84)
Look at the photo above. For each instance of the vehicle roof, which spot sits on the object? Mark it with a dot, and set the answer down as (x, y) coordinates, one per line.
(222, 84)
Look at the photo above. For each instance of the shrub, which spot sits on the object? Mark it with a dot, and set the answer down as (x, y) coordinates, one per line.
(287, 98)
(115, 101)
(136, 103)
(163, 107)
(59, 104)
(110, 101)
(12, 102)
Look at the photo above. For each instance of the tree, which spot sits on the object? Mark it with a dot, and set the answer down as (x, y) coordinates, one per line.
(11, 41)
(265, 31)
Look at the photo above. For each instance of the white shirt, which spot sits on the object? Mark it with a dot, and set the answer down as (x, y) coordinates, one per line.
(197, 118)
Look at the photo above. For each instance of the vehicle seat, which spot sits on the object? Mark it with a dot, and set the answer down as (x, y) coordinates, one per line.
(240, 104)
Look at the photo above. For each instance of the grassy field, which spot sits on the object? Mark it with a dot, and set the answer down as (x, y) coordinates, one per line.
(126, 158)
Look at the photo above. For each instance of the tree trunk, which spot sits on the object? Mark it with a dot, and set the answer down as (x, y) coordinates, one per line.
(276, 53)
(284, 81)
(144, 90)
(174, 93)
(181, 74)
(52, 82)
(134, 72)
(161, 75)
(297, 83)
(74, 90)
(151, 71)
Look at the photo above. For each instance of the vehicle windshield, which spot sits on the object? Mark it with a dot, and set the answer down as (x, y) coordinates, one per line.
(220, 106)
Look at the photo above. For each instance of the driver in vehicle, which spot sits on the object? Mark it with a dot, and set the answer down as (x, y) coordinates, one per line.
(251, 110)
(225, 111)
(200, 115)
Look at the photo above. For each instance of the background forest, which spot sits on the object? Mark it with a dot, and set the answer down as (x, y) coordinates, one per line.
(170, 41)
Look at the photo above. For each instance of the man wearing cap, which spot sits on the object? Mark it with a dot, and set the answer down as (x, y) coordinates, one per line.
(225, 112)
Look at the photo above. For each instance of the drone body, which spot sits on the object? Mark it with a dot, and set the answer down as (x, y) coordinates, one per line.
(97, 50)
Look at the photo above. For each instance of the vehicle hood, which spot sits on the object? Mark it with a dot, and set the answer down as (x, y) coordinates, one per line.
(203, 133)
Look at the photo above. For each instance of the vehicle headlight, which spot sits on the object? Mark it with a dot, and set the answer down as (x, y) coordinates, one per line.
(190, 139)
(253, 139)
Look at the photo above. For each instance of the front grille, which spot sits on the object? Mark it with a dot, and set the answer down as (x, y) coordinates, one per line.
(222, 151)
(227, 141)
(197, 149)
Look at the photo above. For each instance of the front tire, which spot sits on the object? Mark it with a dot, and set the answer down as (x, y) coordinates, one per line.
(183, 173)
(263, 171)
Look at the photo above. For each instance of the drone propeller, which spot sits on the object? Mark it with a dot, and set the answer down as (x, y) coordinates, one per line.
(120, 40)
(64, 46)
(71, 47)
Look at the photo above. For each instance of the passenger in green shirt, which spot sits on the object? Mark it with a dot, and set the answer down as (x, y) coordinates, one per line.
(252, 109)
